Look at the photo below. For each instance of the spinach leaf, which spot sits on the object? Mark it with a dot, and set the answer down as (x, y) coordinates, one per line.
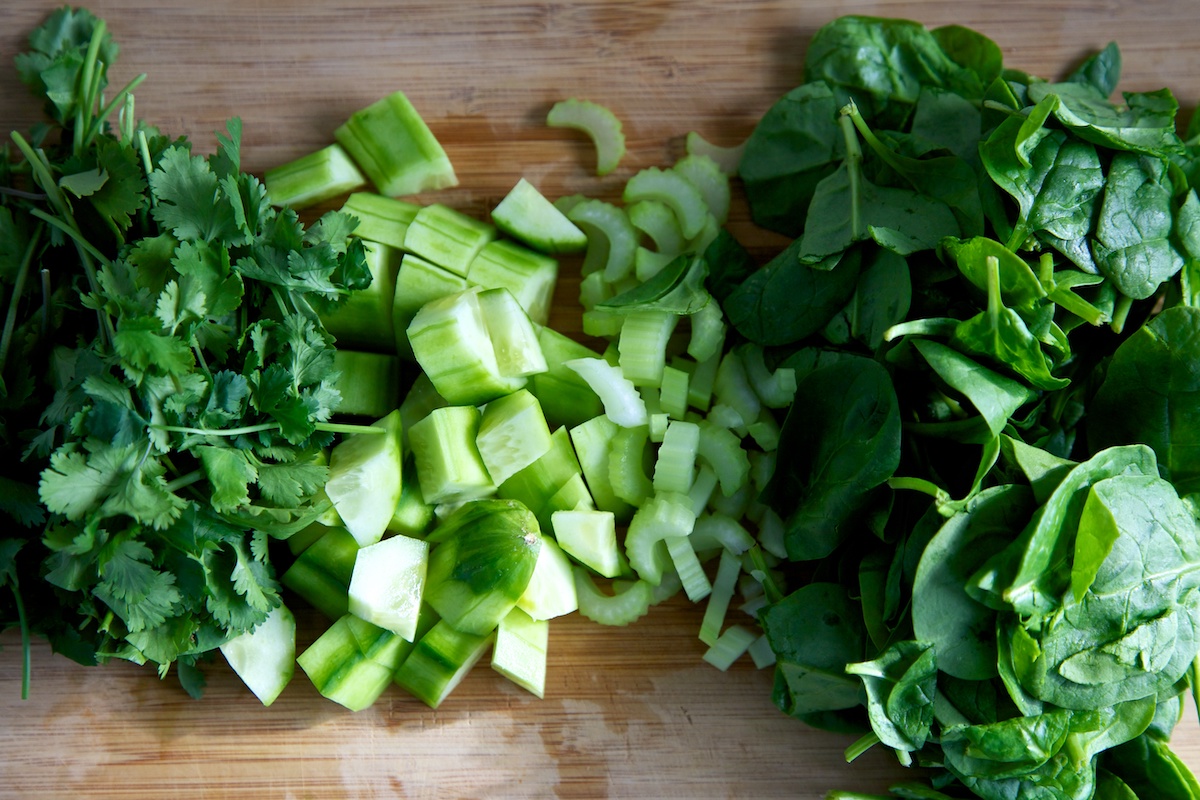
(1101, 71)
(1148, 767)
(994, 396)
(881, 299)
(1018, 283)
(729, 264)
(1145, 124)
(678, 288)
(900, 686)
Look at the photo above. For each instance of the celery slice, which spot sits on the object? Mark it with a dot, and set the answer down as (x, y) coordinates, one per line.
(673, 392)
(672, 189)
(658, 221)
(731, 646)
(380, 219)
(705, 174)
(728, 569)
(602, 324)
(726, 158)
(449, 467)
(648, 263)
(732, 387)
(395, 148)
(551, 589)
(592, 442)
(708, 332)
(642, 346)
(664, 515)
(364, 320)
(313, 178)
(512, 435)
(514, 340)
(418, 282)
(530, 276)
(722, 450)
(629, 602)
(622, 403)
(762, 653)
(366, 478)
(439, 661)
(627, 456)
(687, 566)
(776, 389)
(600, 124)
(765, 431)
(525, 214)
(519, 652)
(321, 574)
(590, 537)
(612, 239)
(265, 658)
(721, 531)
(771, 530)
(369, 383)
(702, 489)
(447, 237)
(675, 468)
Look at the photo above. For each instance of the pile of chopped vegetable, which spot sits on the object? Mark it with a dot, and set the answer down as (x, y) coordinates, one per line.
(931, 463)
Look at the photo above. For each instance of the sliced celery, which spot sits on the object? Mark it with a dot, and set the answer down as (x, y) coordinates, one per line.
(519, 652)
(265, 658)
(673, 392)
(395, 147)
(722, 450)
(364, 320)
(590, 537)
(776, 389)
(447, 237)
(658, 221)
(765, 431)
(675, 467)
(551, 589)
(708, 332)
(643, 345)
(721, 531)
(702, 489)
(592, 442)
(530, 276)
(369, 383)
(313, 178)
(525, 214)
(602, 324)
(627, 457)
(514, 340)
(761, 652)
(418, 282)
(731, 646)
(449, 467)
(321, 574)
(726, 158)
(648, 263)
(512, 435)
(658, 427)
(728, 569)
(732, 388)
(622, 403)
(380, 219)
(771, 531)
(439, 661)
(705, 174)
(600, 124)
(593, 290)
(612, 239)
(664, 515)
(352, 662)
(672, 189)
(687, 566)
(387, 584)
(736, 505)
(629, 602)
(366, 478)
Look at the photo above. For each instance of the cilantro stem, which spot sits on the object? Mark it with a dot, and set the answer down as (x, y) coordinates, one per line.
(10, 319)
(87, 252)
(329, 427)
(108, 109)
(41, 171)
(341, 427)
(183, 481)
(23, 623)
(89, 85)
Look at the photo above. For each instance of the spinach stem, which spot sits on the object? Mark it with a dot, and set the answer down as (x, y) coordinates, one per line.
(920, 485)
(1121, 311)
(861, 746)
(853, 168)
(995, 301)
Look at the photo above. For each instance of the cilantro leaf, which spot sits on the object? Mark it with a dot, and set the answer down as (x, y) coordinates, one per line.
(139, 342)
(230, 473)
(190, 202)
(142, 596)
(286, 485)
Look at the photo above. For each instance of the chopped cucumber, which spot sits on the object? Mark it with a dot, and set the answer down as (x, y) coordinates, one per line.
(590, 537)
(439, 661)
(321, 574)
(519, 653)
(565, 397)
(265, 658)
(512, 435)
(421, 398)
(387, 583)
(530, 276)
(413, 515)
(364, 321)
(478, 574)
(551, 589)
(592, 440)
(395, 147)
(313, 178)
(629, 602)
(353, 661)
(380, 219)
(447, 237)
(536, 485)
(571, 495)
(514, 340)
(449, 467)
(600, 124)
(366, 478)
(418, 282)
(369, 383)
(525, 214)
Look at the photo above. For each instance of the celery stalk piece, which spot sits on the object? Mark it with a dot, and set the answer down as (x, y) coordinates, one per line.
(721, 531)
(519, 652)
(381, 219)
(592, 441)
(551, 589)
(732, 388)
(703, 486)
(369, 383)
(526, 215)
(761, 652)
(594, 289)
(387, 583)
(672, 189)
(648, 263)
(726, 158)
(530, 276)
(439, 661)
(664, 515)
(514, 340)
(658, 221)
(477, 575)
(675, 467)
(590, 537)
(722, 450)
(449, 466)
(629, 602)
(713, 184)
(447, 237)
(364, 320)
(265, 658)
(451, 342)
(512, 435)
(366, 478)
(728, 569)
(673, 392)
(627, 456)
(765, 431)
(612, 239)
(353, 661)
(688, 568)
(313, 178)
(566, 398)
(642, 346)
(622, 403)
(708, 332)
(418, 282)
(395, 148)
(602, 324)
(729, 647)
(601, 125)
(775, 389)
(413, 515)
(771, 532)
(710, 229)
(321, 574)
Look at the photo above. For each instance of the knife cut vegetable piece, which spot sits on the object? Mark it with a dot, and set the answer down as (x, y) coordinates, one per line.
(722, 450)
(598, 122)
(265, 658)
(439, 661)
(366, 478)
(729, 567)
(664, 515)
(538, 485)
(565, 397)
(730, 646)
(675, 466)
(727, 158)
(673, 392)
(592, 441)
(590, 537)
(713, 184)
(519, 652)
(364, 320)
(369, 383)
(512, 435)
(387, 584)
(642, 346)
(395, 148)
(675, 191)
(447, 237)
(449, 467)
(313, 178)
(526, 215)
(381, 219)
(628, 455)
(321, 574)
(419, 282)
(612, 239)
(551, 589)
(413, 515)
(622, 403)
(529, 275)
(629, 601)
(514, 340)
(658, 221)
(688, 568)
(353, 661)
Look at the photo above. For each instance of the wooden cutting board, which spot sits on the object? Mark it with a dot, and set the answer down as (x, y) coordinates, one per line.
(628, 712)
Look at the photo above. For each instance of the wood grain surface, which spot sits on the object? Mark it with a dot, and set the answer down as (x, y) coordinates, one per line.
(628, 712)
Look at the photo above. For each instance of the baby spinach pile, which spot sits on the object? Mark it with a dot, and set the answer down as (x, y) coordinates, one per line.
(165, 379)
(990, 474)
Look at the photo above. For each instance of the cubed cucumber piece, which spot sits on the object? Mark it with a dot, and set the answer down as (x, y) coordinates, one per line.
(369, 383)
(364, 320)
(439, 662)
(265, 658)
(551, 589)
(530, 276)
(387, 584)
(313, 178)
(381, 219)
(366, 478)
(418, 282)
(512, 435)
(593, 440)
(571, 495)
(478, 574)
(353, 661)
(449, 466)
(519, 653)
(447, 237)
(395, 148)
(413, 516)
(525, 214)
(514, 340)
(590, 537)
(566, 398)
(321, 574)
(535, 485)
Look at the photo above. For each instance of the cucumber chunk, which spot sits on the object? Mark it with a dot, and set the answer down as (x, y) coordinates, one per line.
(353, 661)
(364, 321)
(369, 383)
(395, 148)
(447, 237)
(525, 214)
(449, 467)
(530, 276)
(551, 589)
(592, 440)
(512, 435)
(380, 219)
(519, 653)
(418, 282)
(439, 662)
(265, 658)
(387, 584)
(514, 340)
(310, 179)
(365, 480)
(321, 573)
(590, 537)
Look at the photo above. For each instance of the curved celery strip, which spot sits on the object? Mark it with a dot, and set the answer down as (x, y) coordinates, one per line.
(727, 158)
(721, 449)
(732, 388)
(598, 122)
(716, 530)
(626, 475)
(687, 565)
(665, 515)
(776, 389)
(708, 332)
(658, 221)
(673, 189)
(713, 184)
(630, 601)
(622, 403)
(612, 239)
